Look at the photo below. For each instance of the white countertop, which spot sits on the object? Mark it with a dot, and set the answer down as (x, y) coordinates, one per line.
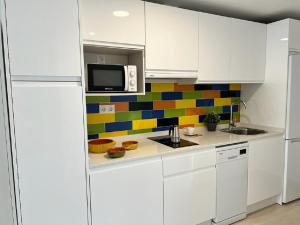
(148, 148)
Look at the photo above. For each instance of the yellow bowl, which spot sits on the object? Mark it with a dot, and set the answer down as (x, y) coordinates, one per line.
(130, 145)
(100, 145)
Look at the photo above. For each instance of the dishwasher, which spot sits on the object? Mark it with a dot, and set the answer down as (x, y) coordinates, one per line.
(232, 183)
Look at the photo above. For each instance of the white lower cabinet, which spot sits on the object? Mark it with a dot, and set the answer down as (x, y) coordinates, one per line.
(128, 194)
(266, 165)
(189, 191)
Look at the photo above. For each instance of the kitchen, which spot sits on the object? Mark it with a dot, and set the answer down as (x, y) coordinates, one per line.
(205, 104)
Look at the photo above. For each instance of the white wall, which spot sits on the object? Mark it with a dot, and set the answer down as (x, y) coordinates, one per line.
(266, 103)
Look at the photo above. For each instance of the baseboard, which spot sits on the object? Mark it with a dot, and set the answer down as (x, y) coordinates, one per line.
(263, 204)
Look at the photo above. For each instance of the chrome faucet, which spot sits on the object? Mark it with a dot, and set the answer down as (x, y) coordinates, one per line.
(231, 121)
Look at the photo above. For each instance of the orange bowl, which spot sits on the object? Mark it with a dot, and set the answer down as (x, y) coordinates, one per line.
(130, 145)
(101, 145)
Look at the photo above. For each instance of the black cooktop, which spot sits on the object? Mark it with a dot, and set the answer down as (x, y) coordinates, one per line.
(166, 140)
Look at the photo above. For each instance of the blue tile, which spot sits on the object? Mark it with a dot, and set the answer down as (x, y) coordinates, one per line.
(92, 108)
(171, 95)
(201, 118)
(226, 108)
(149, 114)
(204, 102)
(118, 126)
(93, 136)
(161, 129)
(221, 87)
(131, 98)
(224, 116)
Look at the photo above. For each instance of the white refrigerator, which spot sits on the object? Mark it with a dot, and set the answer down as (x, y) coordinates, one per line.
(291, 189)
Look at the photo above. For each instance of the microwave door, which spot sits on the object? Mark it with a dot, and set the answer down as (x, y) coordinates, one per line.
(106, 78)
(126, 77)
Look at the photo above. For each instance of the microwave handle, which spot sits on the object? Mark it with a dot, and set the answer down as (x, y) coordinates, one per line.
(126, 78)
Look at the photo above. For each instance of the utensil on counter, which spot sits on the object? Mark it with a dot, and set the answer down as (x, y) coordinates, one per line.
(174, 134)
(116, 152)
(100, 145)
(130, 145)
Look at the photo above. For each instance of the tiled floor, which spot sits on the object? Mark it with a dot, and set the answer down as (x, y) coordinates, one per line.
(288, 214)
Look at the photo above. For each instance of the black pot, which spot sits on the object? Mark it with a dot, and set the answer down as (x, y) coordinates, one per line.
(211, 126)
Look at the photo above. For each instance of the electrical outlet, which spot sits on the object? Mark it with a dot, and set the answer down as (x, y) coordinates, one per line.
(105, 109)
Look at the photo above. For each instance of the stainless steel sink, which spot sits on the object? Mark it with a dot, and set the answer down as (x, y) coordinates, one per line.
(243, 131)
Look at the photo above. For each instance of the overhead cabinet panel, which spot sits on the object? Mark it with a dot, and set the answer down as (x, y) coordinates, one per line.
(248, 54)
(294, 36)
(214, 48)
(43, 37)
(171, 39)
(114, 21)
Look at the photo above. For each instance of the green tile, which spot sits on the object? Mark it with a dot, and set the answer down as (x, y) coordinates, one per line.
(224, 122)
(216, 109)
(174, 112)
(192, 95)
(97, 99)
(149, 96)
(96, 128)
(128, 116)
(139, 131)
(235, 100)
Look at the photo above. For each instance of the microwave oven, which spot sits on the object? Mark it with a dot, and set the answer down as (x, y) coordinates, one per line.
(111, 78)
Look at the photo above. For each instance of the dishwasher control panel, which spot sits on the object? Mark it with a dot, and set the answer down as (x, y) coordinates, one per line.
(231, 153)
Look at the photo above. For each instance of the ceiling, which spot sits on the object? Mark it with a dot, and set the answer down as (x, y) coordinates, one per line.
(264, 11)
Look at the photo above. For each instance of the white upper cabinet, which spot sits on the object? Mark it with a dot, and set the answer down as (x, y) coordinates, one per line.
(171, 40)
(214, 48)
(114, 21)
(248, 54)
(43, 37)
(294, 36)
(231, 50)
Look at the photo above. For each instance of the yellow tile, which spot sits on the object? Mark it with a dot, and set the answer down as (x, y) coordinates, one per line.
(188, 103)
(222, 101)
(160, 87)
(144, 124)
(100, 118)
(199, 124)
(188, 120)
(235, 87)
(113, 134)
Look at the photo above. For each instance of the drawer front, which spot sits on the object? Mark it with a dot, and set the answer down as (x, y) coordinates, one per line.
(184, 162)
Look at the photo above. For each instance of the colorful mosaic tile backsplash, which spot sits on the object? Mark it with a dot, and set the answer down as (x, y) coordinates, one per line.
(163, 105)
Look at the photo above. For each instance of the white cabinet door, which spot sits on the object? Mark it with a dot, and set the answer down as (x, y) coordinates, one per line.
(294, 35)
(190, 198)
(49, 132)
(100, 21)
(292, 175)
(214, 48)
(171, 39)
(6, 212)
(43, 37)
(248, 54)
(128, 194)
(266, 164)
